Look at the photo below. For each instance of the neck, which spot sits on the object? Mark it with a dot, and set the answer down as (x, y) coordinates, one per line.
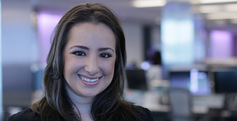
(83, 104)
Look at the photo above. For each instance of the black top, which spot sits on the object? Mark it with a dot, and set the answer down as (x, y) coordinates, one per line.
(30, 115)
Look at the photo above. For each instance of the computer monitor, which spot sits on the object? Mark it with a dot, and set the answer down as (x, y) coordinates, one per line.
(194, 80)
(37, 79)
(225, 81)
(136, 79)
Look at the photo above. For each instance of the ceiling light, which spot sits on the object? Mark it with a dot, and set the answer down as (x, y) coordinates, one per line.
(148, 3)
(215, 1)
(230, 7)
(219, 16)
(210, 8)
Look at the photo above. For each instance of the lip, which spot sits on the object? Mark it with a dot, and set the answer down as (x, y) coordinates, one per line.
(88, 83)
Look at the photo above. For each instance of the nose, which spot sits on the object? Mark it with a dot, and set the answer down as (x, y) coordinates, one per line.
(92, 66)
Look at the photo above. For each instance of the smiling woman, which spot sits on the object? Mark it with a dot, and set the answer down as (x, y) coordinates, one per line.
(89, 58)
(84, 76)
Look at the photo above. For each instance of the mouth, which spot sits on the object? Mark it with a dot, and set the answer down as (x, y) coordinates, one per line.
(90, 80)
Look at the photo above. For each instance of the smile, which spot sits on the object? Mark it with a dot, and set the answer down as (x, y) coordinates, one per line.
(90, 81)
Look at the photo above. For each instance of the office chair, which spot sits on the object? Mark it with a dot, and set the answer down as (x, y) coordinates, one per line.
(180, 101)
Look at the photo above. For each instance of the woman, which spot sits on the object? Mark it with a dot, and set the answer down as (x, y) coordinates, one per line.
(84, 76)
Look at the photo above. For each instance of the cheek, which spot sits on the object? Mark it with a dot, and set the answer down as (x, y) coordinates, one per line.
(71, 67)
(67, 65)
(67, 69)
(108, 68)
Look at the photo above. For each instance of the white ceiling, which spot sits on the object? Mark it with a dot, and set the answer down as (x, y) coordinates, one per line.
(122, 8)
(126, 12)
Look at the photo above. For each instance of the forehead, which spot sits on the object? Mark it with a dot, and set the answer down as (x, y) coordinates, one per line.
(88, 32)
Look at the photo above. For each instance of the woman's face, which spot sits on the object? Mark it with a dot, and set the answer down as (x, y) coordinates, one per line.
(89, 58)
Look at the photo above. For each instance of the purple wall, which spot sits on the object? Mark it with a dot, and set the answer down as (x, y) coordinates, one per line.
(46, 25)
(221, 44)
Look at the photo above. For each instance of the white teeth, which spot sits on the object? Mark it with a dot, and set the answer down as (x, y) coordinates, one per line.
(89, 80)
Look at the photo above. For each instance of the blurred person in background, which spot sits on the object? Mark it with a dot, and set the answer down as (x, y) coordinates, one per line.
(154, 73)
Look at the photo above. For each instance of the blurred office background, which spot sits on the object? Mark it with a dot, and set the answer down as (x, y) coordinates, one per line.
(172, 46)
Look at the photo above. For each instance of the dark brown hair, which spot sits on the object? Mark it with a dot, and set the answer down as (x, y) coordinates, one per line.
(109, 104)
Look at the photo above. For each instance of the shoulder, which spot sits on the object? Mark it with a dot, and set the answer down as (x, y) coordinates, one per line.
(143, 113)
(25, 115)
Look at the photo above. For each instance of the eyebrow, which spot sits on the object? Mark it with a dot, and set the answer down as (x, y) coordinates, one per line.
(103, 49)
(86, 48)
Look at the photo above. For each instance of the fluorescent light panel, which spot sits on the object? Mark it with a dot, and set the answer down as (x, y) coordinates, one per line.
(230, 7)
(216, 16)
(217, 8)
(210, 8)
(215, 1)
(160, 3)
(148, 3)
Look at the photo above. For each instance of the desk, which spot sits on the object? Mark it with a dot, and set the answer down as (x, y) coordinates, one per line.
(202, 104)
(158, 102)
(209, 106)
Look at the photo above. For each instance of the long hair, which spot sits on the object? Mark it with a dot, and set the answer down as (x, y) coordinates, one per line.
(109, 104)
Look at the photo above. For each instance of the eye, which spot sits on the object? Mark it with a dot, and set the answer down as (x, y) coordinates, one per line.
(105, 55)
(79, 53)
